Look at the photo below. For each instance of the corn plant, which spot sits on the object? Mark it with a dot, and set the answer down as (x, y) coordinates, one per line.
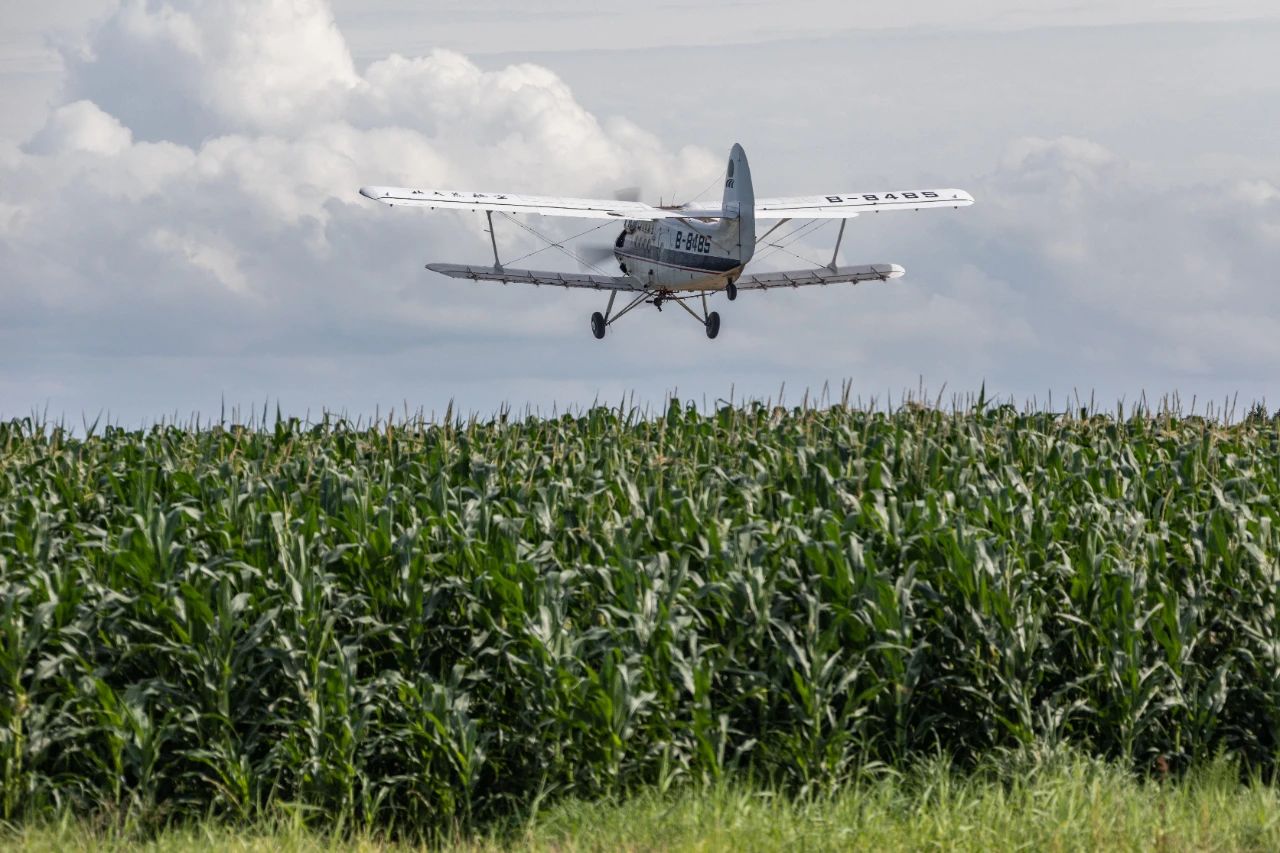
(427, 625)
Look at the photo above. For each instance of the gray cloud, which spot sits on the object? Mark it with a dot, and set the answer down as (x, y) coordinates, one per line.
(485, 26)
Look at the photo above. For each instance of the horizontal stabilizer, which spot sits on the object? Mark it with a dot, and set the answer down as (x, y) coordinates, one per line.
(552, 279)
(822, 275)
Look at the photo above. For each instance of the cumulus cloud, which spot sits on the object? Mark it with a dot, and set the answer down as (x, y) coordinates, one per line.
(182, 71)
(197, 194)
(81, 126)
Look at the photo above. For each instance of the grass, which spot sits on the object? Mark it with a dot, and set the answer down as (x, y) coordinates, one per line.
(1068, 803)
(422, 628)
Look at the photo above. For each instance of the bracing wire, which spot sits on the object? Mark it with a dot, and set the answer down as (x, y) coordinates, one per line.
(719, 180)
(554, 244)
(781, 243)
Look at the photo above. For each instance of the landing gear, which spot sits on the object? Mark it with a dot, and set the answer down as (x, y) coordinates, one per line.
(600, 322)
(731, 290)
(710, 320)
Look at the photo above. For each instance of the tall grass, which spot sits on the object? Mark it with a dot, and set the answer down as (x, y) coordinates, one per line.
(1024, 801)
(428, 626)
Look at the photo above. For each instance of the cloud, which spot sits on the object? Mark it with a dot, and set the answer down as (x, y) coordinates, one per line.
(81, 126)
(198, 195)
(1077, 267)
(184, 71)
(1173, 275)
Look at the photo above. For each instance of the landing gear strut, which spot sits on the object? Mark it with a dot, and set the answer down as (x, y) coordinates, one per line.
(600, 323)
(710, 320)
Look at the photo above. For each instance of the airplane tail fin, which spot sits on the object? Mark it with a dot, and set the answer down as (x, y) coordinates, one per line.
(739, 198)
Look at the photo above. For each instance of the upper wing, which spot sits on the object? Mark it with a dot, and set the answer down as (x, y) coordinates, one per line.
(849, 205)
(584, 208)
(554, 279)
(821, 275)
(845, 206)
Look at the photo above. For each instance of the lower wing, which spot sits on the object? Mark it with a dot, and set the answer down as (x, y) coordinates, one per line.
(763, 281)
(552, 279)
(822, 275)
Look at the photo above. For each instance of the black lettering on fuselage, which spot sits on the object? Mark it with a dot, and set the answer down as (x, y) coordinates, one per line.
(695, 243)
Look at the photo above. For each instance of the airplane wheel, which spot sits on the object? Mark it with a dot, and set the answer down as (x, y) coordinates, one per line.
(713, 325)
(597, 325)
(732, 290)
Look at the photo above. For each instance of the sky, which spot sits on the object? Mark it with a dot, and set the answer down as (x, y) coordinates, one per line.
(180, 229)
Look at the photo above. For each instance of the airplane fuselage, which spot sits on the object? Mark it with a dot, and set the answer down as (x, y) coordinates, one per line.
(677, 255)
(693, 253)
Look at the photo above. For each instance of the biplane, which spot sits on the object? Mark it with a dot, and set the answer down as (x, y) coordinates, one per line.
(677, 254)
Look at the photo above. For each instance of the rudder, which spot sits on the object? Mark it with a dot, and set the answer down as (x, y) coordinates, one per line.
(739, 199)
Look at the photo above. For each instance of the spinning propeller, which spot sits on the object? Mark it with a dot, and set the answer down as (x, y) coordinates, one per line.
(593, 258)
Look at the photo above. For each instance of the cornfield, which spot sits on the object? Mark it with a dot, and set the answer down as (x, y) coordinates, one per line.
(428, 624)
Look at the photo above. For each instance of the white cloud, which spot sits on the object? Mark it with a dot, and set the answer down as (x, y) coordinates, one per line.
(81, 126)
(208, 203)
(184, 71)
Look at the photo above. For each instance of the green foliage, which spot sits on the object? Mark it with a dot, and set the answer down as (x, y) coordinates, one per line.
(429, 626)
(1258, 413)
(1059, 801)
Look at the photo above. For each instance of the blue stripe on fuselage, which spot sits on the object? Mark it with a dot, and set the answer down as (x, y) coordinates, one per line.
(691, 261)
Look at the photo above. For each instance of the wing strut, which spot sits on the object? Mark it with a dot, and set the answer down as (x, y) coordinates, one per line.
(493, 238)
(832, 266)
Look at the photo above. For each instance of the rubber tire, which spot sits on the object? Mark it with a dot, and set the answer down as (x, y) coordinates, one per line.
(597, 325)
(732, 290)
(713, 325)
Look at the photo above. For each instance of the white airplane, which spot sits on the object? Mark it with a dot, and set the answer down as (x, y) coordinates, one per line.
(678, 254)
